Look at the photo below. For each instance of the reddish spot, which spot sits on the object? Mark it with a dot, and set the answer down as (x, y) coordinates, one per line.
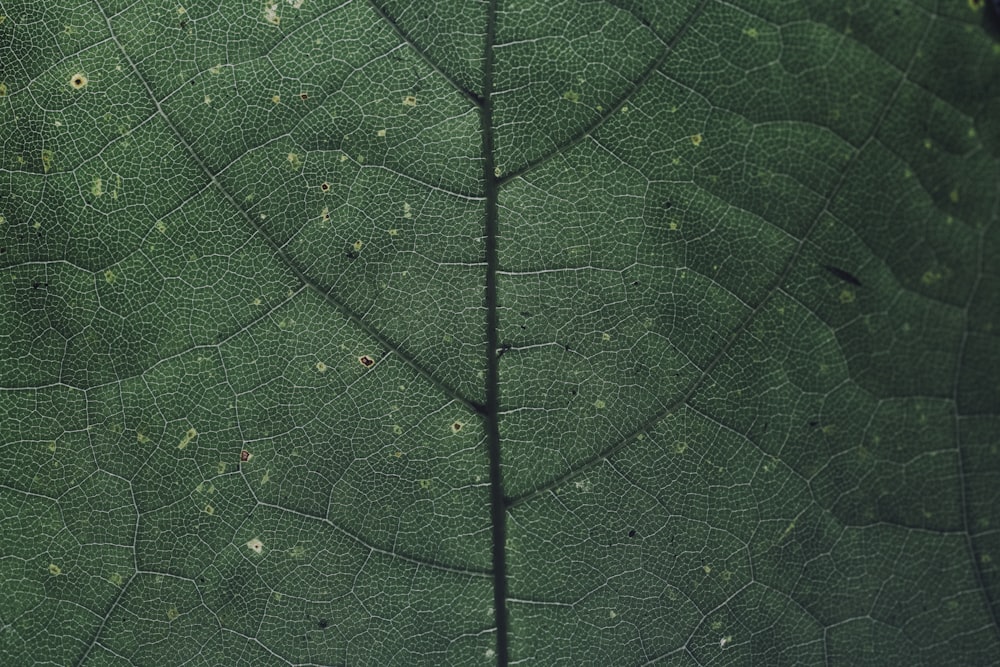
(366, 361)
(244, 456)
(324, 187)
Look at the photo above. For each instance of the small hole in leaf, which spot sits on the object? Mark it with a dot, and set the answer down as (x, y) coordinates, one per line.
(456, 426)
(303, 96)
(244, 456)
(366, 361)
(631, 533)
(325, 187)
(78, 81)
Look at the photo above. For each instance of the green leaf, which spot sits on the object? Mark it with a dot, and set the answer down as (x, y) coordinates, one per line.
(601, 332)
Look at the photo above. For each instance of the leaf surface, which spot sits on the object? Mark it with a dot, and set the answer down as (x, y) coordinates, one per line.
(598, 332)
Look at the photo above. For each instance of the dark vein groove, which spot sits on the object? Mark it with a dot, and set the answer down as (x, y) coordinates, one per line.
(498, 505)
(775, 287)
(616, 107)
(280, 252)
(970, 545)
(391, 22)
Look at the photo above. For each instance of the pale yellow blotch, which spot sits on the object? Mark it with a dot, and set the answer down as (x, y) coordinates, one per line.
(456, 426)
(172, 613)
(109, 276)
(298, 551)
(409, 100)
(846, 296)
(972, 133)
(209, 510)
(295, 4)
(321, 367)
(680, 447)
(976, 5)
(3, 89)
(398, 454)
(407, 210)
(343, 157)
(725, 641)
(380, 133)
(625, 109)
(141, 438)
(161, 226)
(397, 429)
(393, 232)
(216, 70)
(208, 99)
(255, 545)
(78, 81)
(497, 172)
(115, 579)
(751, 33)
(294, 160)
(571, 96)
(97, 186)
(425, 484)
(600, 404)
(953, 196)
(52, 446)
(606, 337)
(266, 478)
(716, 625)
(673, 226)
(696, 139)
(707, 569)
(325, 213)
(220, 467)
(47, 158)
(181, 11)
(54, 570)
(191, 434)
(612, 614)
(928, 144)
(358, 245)
(276, 99)
(271, 13)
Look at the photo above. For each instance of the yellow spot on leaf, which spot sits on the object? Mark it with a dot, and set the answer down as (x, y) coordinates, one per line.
(751, 33)
(320, 366)
(572, 96)
(255, 545)
(600, 404)
(209, 510)
(407, 210)
(425, 484)
(78, 81)
(358, 245)
(393, 232)
(47, 156)
(115, 579)
(109, 276)
(97, 186)
(931, 276)
(707, 569)
(54, 570)
(172, 613)
(410, 101)
(191, 434)
(3, 89)
(276, 99)
(696, 139)
(953, 196)
(847, 296)
(605, 337)
(397, 429)
(381, 133)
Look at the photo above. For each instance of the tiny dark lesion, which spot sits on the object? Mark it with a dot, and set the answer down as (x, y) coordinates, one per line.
(846, 276)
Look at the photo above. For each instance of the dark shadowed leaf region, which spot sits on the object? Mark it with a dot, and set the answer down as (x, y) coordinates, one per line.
(454, 332)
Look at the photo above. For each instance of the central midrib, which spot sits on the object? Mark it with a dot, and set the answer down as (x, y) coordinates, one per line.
(498, 510)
